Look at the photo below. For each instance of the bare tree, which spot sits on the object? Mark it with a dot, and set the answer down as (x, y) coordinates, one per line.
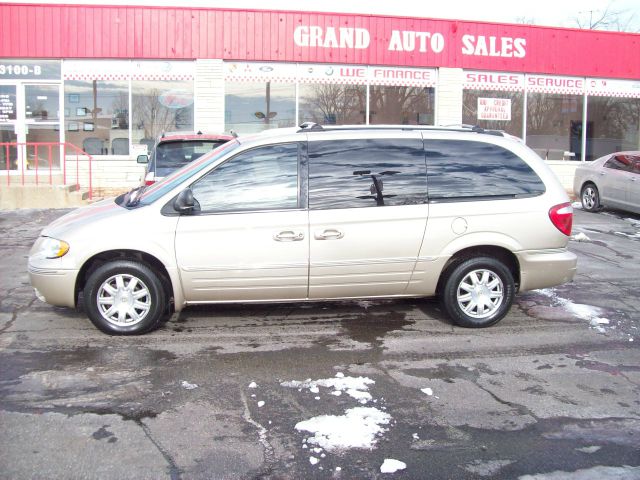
(622, 20)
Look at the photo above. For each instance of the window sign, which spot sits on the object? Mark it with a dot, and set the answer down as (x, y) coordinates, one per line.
(7, 103)
(494, 109)
(29, 69)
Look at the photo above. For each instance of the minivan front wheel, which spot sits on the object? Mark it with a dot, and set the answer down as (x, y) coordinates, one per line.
(124, 298)
(478, 292)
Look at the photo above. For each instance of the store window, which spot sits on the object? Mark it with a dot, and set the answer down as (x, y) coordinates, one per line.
(333, 104)
(160, 106)
(494, 109)
(251, 107)
(613, 125)
(97, 116)
(401, 105)
(554, 125)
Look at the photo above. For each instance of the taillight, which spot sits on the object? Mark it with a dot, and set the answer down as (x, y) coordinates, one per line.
(562, 217)
(149, 182)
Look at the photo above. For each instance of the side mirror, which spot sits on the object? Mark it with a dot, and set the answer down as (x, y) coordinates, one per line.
(185, 202)
(143, 159)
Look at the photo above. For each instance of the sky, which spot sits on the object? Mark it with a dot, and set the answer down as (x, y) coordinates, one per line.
(561, 13)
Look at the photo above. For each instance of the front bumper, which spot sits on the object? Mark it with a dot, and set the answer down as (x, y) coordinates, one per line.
(55, 285)
(546, 268)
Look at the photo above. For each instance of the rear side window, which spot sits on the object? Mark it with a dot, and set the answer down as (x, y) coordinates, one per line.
(177, 154)
(466, 170)
(621, 162)
(366, 173)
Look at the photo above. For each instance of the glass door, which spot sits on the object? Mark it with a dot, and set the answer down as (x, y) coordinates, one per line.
(8, 119)
(42, 125)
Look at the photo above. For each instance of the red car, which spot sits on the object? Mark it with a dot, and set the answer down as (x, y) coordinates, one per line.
(176, 149)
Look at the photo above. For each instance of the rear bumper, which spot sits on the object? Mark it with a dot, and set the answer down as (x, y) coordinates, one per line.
(55, 285)
(546, 268)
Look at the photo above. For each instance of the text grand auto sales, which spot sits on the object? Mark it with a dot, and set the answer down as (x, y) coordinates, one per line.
(408, 41)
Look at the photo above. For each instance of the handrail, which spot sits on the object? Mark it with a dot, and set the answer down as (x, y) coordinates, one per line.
(22, 150)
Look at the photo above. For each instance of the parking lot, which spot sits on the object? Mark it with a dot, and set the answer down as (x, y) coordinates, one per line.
(330, 390)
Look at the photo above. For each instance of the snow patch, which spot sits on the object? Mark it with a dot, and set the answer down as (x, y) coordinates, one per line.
(357, 428)
(260, 404)
(585, 312)
(356, 387)
(313, 460)
(253, 385)
(580, 237)
(428, 391)
(391, 465)
(188, 386)
(577, 205)
(595, 473)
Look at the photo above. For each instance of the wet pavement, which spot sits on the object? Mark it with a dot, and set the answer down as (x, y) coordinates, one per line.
(219, 390)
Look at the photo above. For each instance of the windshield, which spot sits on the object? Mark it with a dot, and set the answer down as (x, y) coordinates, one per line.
(157, 190)
(173, 155)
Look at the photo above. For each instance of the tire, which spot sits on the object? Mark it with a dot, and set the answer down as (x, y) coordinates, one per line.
(478, 292)
(590, 198)
(125, 298)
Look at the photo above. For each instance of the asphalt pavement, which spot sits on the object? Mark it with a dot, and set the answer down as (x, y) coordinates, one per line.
(330, 390)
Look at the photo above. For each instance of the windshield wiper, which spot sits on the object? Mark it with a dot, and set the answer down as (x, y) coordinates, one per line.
(132, 198)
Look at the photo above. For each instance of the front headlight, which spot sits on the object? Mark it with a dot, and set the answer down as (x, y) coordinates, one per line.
(52, 248)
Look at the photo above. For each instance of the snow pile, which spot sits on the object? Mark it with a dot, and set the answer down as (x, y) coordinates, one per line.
(427, 391)
(580, 237)
(392, 466)
(585, 312)
(355, 387)
(188, 386)
(577, 205)
(357, 428)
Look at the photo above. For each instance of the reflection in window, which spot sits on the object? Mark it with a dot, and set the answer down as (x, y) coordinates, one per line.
(464, 169)
(41, 103)
(253, 107)
(42, 157)
(613, 125)
(97, 116)
(160, 106)
(554, 125)
(264, 178)
(470, 110)
(366, 173)
(401, 105)
(329, 104)
(8, 153)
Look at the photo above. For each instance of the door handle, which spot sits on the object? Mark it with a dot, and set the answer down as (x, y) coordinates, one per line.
(288, 236)
(329, 234)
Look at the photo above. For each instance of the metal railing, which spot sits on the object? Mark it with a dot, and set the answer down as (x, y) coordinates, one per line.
(60, 162)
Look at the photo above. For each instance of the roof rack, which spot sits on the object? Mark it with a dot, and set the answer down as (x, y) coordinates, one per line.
(310, 126)
(315, 127)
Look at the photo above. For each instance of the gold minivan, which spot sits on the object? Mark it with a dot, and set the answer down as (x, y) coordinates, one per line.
(317, 213)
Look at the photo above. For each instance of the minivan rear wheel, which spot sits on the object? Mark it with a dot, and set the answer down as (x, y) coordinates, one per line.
(478, 292)
(124, 298)
(590, 197)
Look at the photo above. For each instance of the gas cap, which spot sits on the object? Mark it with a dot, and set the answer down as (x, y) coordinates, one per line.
(459, 226)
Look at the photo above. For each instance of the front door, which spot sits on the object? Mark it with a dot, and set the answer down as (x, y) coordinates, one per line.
(249, 239)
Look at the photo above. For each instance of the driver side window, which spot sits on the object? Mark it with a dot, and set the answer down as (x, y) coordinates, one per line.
(264, 178)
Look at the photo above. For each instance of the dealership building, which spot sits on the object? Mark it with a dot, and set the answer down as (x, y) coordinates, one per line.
(110, 79)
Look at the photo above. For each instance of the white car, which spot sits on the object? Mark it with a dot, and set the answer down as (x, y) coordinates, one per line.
(611, 181)
(319, 213)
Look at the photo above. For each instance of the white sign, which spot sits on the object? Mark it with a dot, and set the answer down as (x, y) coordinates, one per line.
(497, 109)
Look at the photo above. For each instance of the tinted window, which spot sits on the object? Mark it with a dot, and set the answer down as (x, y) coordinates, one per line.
(174, 155)
(620, 162)
(264, 178)
(461, 169)
(366, 173)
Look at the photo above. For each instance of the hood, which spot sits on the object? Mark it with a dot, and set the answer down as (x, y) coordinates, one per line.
(83, 215)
